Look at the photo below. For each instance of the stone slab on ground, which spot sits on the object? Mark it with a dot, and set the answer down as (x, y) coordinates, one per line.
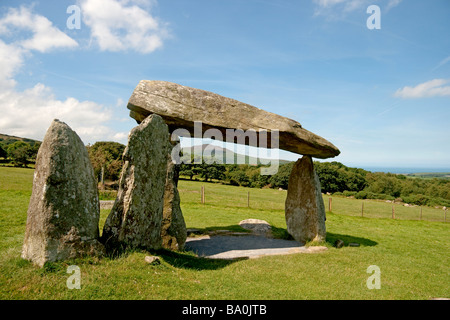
(256, 226)
(106, 204)
(245, 247)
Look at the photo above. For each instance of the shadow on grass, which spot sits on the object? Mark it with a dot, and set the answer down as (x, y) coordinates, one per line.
(332, 237)
(277, 233)
(231, 228)
(189, 261)
(281, 233)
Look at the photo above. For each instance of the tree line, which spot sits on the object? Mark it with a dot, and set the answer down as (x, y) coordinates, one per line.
(335, 178)
(19, 153)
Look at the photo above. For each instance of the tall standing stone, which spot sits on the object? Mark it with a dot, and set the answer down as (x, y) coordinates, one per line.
(136, 217)
(173, 226)
(64, 210)
(304, 207)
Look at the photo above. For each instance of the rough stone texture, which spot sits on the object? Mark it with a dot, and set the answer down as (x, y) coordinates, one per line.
(64, 210)
(257, 226)
(106, 204)
(304, 207)
(339, 243)
(136, 217)
(173, 227)
(152, 260)
(180, 106)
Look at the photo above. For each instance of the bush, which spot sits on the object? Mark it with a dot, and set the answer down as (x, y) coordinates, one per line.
(361, 195)
(18, 152)
(239, 178)
(107, 155)
(3, 153)
(281, 178)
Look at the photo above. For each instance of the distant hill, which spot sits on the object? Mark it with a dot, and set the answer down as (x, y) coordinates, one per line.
(7, 139)
(222, 153)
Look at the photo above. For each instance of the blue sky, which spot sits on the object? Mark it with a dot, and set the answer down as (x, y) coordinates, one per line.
(382, 96)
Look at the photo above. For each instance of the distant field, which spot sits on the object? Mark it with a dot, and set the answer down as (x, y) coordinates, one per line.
(271, 199)
(413, 256)
(445, 175)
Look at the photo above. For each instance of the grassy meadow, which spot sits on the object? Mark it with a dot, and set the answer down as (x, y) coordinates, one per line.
(413, 256)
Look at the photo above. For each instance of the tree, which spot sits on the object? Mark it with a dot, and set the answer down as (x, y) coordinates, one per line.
(187, 172)
(281, 178)
(33, 150)
(108, 155)
(336, 177)
(238, 178)
(216, 171)
(3, 153)
(18, 152)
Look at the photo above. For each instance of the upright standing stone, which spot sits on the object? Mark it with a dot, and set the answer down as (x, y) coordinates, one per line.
(135, 219)
(64, 209)
(173, 227)
(304, 207)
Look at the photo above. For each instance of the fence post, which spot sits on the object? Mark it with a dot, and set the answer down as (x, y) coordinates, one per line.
(362, 209)
(329, 204)
(203, 194)
(393, 212)
(103, 177)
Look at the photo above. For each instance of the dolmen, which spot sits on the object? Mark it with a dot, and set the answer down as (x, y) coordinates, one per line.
(63, 214)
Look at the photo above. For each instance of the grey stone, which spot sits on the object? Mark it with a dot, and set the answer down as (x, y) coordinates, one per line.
(152, 260)
(64, 211)
(304, 207)
(181, 106)
(339, 243)
(257, 226)
(193, 231)
(106, 204)
(136, 217)
(173, 226)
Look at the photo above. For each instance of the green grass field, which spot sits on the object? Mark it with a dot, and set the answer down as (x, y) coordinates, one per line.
(413, 256)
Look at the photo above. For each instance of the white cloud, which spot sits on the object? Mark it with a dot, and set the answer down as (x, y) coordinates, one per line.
(45, 35)
(116, 25)
(335, 6)
(441, 63)
(338, 7)
(121, 25)
(11, 59)
(327, 3)
(432, 88)
(120, 136)
(392, 3)
(28, 113)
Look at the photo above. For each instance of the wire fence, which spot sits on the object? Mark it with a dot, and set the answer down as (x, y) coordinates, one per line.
(275, 199)
(385, 209)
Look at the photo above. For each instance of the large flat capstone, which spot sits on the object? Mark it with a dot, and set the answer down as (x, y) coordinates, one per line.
(181, 106)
